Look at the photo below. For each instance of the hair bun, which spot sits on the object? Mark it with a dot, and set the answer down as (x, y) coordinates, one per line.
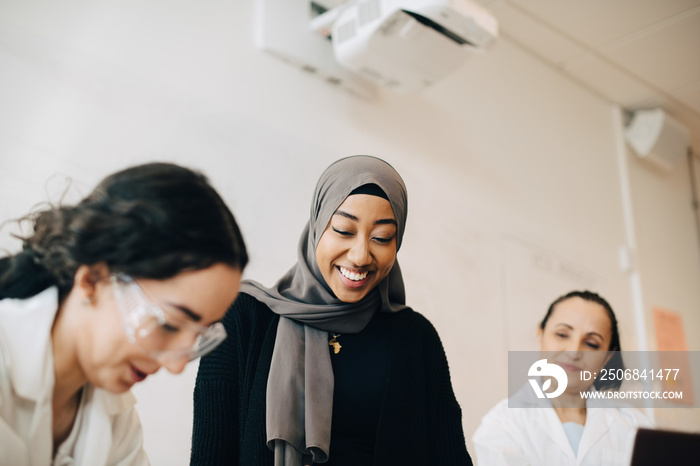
(22, 274)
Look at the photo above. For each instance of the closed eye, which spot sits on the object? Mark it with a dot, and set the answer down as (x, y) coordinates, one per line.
(593, 345)
(342, 232)
(383, 240)
(169, 328)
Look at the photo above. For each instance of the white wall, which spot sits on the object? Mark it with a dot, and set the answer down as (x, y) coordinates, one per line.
(668, 259)
(511, 168)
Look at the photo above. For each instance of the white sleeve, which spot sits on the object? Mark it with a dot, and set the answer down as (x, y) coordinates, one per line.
(127, 441)
(13, 449)
(494, 443)
(643, 422)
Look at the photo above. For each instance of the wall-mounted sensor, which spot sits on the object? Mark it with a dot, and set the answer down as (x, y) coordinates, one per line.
(657, 137)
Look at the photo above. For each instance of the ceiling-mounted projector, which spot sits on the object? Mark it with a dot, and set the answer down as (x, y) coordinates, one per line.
(407, 45)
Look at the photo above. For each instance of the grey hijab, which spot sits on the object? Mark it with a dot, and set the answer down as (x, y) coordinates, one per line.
(300, 384)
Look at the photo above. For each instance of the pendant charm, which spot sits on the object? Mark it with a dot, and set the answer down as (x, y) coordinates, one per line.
(335, 344)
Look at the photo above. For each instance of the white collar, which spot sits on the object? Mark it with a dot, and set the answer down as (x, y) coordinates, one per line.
(598, 421)
(26, 325)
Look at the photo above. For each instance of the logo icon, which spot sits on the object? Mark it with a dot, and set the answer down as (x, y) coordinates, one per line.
(543, 369)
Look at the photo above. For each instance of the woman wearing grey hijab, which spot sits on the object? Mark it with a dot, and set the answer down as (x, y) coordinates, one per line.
(329, 365)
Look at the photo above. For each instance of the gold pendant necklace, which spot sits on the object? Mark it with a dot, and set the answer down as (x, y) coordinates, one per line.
(334, 343)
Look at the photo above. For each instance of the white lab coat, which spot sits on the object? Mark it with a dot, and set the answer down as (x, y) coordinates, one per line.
(535, 436)
(110, 431)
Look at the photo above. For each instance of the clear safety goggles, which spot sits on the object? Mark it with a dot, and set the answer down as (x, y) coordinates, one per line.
(163, 334)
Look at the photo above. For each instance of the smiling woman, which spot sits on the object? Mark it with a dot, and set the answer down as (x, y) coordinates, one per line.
(578, 333)
(135, 277)
(329, 365)
(358, 248)
(581, 335)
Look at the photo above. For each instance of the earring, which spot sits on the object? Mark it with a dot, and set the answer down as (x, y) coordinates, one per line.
(88, 300)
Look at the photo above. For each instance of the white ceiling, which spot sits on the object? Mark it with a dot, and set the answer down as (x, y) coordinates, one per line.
(636, 53)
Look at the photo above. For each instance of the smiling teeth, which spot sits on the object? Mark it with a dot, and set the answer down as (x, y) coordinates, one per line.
(356, 277)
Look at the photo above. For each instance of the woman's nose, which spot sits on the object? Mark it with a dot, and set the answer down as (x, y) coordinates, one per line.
(359, 253)
(575, 348)
(175, 366)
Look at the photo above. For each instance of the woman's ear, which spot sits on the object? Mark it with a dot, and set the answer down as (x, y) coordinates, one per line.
(86, 279)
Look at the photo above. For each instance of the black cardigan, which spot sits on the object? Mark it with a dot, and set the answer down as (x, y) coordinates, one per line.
(420, 423)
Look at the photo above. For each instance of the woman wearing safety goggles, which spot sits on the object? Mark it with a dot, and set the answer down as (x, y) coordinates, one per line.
(133, 278)
(168, 333)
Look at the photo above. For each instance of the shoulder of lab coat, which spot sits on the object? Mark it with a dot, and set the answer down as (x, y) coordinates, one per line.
(112, 432)
(26, 330)
(26, 378)
(525, 436)
(504, 434)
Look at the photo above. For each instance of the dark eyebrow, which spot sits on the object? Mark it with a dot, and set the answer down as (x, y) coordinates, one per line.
(346, 215)
(386, 221)
(561, 324)
(382, 221)
(189, 312)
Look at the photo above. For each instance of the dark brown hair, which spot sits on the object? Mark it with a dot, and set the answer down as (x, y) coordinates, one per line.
(148, 221)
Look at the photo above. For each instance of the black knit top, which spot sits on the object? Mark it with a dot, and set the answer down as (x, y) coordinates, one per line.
(361, 373)
(404, 388)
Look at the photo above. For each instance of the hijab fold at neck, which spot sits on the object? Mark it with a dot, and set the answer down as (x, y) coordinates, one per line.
(300, 383)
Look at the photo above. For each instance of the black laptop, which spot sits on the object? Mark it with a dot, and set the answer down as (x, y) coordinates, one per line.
(665, 447)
